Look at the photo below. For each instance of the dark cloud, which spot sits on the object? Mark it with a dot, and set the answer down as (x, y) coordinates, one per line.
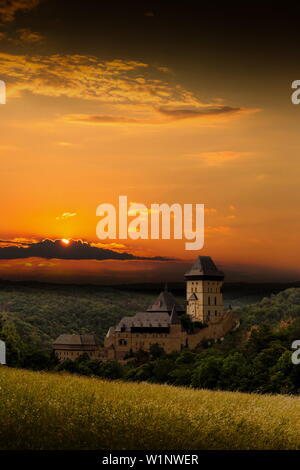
(168, 114)
(188, 113)
(9, 8)
(76, 250)
(102, 119)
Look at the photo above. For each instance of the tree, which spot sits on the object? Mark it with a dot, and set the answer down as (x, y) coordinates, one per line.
(207, 374)
(235, 373)
(156, 351)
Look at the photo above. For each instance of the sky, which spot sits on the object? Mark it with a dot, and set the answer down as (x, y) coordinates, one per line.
(164, 102)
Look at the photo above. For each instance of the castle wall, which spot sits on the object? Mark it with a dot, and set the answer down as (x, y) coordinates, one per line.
(120, 343)
(170, 342)
(216, 330)
(73, 352)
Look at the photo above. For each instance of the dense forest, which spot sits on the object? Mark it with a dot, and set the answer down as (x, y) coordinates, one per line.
(255, 358)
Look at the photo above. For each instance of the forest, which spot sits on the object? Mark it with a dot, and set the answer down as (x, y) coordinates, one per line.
(254, 358)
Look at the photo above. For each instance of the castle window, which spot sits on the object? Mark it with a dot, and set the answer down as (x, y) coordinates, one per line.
(215, 300)
(208, 300)
(216, 312)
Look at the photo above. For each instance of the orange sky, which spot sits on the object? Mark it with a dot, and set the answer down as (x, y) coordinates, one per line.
(80, 129)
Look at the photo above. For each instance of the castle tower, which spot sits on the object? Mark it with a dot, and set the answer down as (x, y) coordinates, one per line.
(204, 290)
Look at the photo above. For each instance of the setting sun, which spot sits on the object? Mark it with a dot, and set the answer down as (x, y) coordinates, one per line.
(65, 241)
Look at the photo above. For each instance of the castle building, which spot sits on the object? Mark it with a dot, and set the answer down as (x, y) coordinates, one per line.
(161, 323)
(204, 298)
(73, 346)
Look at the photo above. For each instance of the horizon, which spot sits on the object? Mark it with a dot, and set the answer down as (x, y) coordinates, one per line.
(139, 100)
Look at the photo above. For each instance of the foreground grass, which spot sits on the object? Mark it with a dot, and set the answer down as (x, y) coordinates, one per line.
(54, 411)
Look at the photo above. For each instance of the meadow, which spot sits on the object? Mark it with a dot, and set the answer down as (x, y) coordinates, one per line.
(40, 410)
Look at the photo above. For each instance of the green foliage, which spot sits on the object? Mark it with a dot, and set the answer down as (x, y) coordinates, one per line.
(255, 358)
(156, 351)
(40, 314)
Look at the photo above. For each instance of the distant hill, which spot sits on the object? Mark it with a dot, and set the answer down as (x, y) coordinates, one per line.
(273, 310)
(40, 312)
(44, 311)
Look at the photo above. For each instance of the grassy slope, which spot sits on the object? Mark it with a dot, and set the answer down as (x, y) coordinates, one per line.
(51, 411)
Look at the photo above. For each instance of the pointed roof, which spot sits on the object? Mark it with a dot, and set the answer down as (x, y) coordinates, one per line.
(165, 303)
(204, 268)
(174, 319)
(193, 296)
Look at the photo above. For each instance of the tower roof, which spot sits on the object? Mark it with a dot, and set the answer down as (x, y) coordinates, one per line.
(165, 303)
(204, 268)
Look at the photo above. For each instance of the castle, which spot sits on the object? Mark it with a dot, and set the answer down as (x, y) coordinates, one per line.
(161, 323)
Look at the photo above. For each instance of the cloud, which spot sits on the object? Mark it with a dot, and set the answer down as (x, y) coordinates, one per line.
(75, 250)
(220, 229)
(192, 113)
(22, 37)
(21, 242)
(167, 116)
(103, 119)
(85, 77)
(28, 36)
(66, 215)
(219, 158)
(148, 94)
(9, 8)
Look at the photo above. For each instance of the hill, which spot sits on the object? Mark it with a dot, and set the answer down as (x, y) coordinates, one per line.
(53, 411)
(40, 312)
(255, 358)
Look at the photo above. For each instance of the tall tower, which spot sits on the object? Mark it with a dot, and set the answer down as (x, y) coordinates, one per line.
(204, 290)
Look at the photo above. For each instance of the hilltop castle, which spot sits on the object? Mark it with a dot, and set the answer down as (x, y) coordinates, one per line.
(161, 323)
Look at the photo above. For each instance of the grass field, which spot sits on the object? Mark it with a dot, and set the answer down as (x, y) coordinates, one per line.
(53, 411)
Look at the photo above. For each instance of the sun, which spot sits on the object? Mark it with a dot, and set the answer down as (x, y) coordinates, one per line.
(65, 241)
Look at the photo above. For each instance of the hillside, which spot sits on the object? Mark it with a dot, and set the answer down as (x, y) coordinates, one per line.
(52, 411)
(41, 312)
(255, 358)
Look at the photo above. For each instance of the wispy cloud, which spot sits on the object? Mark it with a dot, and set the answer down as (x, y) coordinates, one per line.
(9, 8)
(159, 116)
(148, 94)
(219, 158)
(66, 215)
(28, 36)
(196, 112)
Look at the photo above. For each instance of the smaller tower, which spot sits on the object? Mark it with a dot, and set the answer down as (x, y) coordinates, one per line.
(204, 296)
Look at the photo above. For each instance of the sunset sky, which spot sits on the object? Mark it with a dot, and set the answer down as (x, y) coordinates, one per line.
(162, 102)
